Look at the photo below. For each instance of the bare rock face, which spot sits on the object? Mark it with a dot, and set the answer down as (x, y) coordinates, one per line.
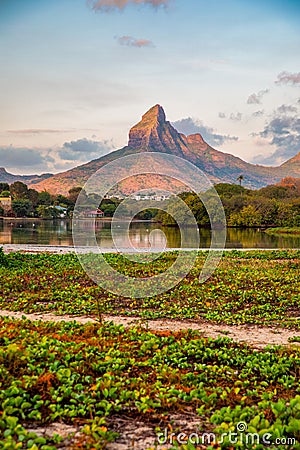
(196, 142)
(154, 133)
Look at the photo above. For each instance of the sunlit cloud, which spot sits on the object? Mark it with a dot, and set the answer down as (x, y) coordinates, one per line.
(288, 78)
(111, 5)
(130, 41)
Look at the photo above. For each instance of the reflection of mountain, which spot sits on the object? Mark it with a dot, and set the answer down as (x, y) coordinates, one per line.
(155, 134)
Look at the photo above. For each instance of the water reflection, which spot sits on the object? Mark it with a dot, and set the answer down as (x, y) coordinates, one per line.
(141, 235)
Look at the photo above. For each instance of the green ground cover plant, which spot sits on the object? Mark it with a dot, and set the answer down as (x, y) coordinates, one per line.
(258, 287)
(87, 375)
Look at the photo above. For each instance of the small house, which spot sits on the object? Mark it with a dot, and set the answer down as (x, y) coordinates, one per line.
(94, 214)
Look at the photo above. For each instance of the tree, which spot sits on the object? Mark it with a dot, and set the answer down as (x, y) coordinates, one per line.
(268, 209)
(249, 216)
(271, 191)
(226, 190)
(48, 212)
(240, 179)
(5, 194)
(44, 198)
(62, 200)
(195, 204)
(4, 187)
(146, 214)
(22, 207)
(73, 194)
(109, 206)
(33, 196)
(44, 212)
(19, 190)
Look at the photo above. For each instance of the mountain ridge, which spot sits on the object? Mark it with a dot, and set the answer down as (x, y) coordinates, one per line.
(153, 133)
(7, 177)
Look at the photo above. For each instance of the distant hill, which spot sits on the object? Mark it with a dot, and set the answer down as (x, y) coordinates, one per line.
(6, 177)
(155, 134)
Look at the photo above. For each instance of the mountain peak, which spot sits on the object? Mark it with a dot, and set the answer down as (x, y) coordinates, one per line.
(141, 134)
(155, 133)
(156, 113)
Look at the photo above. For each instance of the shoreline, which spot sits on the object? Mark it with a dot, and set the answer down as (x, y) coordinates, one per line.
(64, 249)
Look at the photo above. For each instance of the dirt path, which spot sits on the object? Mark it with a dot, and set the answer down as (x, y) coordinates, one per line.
(253, 335)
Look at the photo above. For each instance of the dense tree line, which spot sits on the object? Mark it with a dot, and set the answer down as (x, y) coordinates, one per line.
(26, 202)
(275, 205)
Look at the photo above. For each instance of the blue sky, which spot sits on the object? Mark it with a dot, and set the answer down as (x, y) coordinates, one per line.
(76, 75)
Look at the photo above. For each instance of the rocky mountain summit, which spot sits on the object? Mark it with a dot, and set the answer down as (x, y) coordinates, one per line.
(154, 133)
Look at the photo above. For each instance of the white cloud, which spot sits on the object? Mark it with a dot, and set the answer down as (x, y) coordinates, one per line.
(191, 126)
(255, 99)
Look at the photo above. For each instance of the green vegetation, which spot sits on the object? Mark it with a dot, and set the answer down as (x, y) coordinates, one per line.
(259, 287)
(89, 375)
(269, 206)
(283, 231)
(30, 203)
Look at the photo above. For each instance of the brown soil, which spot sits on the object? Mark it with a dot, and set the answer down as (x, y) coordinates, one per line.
(253, 335)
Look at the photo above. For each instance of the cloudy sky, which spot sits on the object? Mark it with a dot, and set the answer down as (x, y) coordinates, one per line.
(76, 75)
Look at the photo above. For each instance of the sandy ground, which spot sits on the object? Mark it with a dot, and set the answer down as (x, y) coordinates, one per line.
(30, 248)
(133, 434)
(253, 335)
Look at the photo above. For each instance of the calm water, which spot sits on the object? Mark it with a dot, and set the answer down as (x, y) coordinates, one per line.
(60, 233)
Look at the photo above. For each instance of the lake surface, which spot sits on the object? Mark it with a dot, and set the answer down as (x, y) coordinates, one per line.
(141, 235)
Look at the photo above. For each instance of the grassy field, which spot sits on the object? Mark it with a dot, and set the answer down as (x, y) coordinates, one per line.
(92, 376)
(259, 287)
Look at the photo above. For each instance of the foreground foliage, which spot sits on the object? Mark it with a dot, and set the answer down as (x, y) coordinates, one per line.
(89, 374)
(248, 287)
